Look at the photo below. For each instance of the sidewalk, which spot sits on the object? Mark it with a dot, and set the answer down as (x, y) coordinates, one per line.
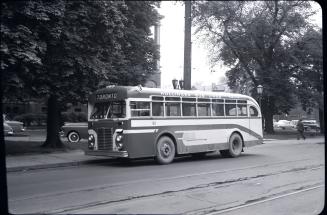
(38, 158)
(52, 160)
(24, 152)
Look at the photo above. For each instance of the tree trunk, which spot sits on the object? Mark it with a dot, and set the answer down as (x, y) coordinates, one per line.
(53, 124)
(269, 128)
(268, 116)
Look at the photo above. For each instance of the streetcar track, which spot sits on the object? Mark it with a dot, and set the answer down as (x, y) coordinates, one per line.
(221, 184)
(258, 200)
(104, 187)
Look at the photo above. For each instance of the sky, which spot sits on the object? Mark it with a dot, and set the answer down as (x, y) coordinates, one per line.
(172, 49)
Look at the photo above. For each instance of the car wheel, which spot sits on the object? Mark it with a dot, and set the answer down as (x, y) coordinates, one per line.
(73, 137)
(165, 150)
(235, 146)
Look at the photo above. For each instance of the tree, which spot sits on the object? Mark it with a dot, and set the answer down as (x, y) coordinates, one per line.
(252, 38)
(307, 71)
(80, 44)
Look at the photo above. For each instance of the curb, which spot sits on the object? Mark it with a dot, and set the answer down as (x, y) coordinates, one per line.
(55, 165)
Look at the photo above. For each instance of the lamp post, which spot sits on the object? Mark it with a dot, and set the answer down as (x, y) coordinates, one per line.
(260, 91)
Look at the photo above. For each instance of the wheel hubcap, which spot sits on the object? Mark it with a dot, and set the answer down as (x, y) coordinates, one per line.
(236, 145)
(73, 137)
(165, 149)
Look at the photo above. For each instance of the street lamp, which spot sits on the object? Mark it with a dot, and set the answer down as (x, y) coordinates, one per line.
(181, 84)
(175, 83)
(178, 84)
(259, 89)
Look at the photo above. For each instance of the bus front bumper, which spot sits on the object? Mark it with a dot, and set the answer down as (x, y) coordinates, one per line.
(120, 154)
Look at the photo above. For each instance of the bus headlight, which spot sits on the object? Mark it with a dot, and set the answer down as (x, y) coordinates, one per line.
(91, 141)
(119, 139)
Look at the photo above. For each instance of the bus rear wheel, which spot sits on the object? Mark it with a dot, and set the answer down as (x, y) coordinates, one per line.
(235, 146)
(165, 150)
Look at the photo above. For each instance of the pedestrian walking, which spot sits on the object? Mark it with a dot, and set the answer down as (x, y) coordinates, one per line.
(300, 129)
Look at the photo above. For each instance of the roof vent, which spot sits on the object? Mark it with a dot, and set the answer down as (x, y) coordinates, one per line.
(139, 87)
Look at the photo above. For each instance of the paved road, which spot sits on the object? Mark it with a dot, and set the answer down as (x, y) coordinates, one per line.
(279, 177)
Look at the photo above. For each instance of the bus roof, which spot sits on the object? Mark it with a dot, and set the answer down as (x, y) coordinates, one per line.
(122, 92)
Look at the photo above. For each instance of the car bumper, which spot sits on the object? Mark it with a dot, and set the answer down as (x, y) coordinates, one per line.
(120, 154)
(9, 133)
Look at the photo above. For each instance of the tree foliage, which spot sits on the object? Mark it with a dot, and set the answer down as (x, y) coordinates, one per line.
(68, 47)
(63, 50)
(254, 39)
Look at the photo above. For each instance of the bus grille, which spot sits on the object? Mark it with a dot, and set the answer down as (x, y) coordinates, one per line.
(105, 138)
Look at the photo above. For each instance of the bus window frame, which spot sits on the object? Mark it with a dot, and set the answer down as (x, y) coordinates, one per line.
(175, 102)
(137, 100)
(189, 102)
(203, 102)
(245, 103)
(221, 103)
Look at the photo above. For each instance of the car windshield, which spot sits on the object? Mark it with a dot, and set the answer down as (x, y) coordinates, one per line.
(108, 110)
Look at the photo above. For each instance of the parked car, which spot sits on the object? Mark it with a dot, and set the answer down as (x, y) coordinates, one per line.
(283, 124)
(7, 129)
(274, 123)
(15, 125)
(311, 126)
(74, 131)
(294, 123)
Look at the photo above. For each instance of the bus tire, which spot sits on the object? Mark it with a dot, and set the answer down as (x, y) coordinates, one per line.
(165, 150)
(235, 146)
(73, 137)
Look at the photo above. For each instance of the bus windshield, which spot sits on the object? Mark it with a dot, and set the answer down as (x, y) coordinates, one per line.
(108, 110)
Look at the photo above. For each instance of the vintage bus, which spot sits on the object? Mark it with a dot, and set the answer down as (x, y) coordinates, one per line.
(139, 122)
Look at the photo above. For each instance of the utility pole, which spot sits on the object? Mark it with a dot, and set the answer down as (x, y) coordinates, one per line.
(187, 46)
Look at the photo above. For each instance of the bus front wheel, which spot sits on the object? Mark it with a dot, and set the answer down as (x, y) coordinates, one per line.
(165, 150)
(235, 146)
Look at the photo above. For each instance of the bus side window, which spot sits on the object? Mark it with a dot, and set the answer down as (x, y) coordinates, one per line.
(204, 109)
(217, 109)
(173, 109)
(140, 108)
(253, 111)
(189, 109)
(157, 109)
(230, 109)
(242, 110)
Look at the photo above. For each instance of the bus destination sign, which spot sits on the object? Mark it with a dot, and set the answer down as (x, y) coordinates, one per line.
(106, 96)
